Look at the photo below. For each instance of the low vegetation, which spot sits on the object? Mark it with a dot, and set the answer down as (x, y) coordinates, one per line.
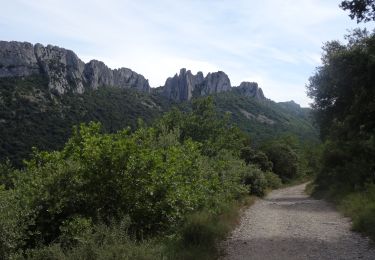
(169, 190)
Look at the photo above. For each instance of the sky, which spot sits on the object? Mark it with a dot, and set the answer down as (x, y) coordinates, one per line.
(276, 43)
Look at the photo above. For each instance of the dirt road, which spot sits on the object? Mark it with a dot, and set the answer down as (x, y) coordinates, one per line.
(288, 224)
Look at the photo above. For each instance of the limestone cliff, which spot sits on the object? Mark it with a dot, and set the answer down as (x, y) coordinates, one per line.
(63, 69)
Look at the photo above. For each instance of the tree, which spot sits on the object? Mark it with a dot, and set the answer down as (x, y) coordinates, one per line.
(362, 10)
(258, 158)
(343, 89)
(284, 159)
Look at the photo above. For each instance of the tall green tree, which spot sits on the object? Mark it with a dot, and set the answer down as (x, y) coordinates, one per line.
(362, 10)
(343, 89)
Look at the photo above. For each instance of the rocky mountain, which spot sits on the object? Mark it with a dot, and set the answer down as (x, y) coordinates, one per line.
(250, 89)
(63, 69)
(65, 73)
(185, 85)
(45, 91)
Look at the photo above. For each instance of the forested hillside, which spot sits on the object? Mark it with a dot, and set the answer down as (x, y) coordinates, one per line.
(33, 116)
(163, 191)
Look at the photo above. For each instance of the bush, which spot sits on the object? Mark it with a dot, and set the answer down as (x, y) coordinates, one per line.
(199, 230)
(273, 181)
(258, 158)
(13, 223)
(284, 159)
(104, 242)
(255, 180)
(360, 206)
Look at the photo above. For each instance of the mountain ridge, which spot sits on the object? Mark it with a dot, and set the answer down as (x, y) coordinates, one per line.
(41, 99)
(63, 68)
(67, 73)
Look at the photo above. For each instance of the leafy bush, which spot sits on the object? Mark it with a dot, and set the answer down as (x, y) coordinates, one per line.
(255, 180)
(273, 180)
(284, 159)
(104, 242)
(258, 158)
(360, 206)
(172, 177)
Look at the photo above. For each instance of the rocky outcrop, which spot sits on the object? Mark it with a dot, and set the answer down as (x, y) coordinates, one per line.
(250, 89)
(67, 73)
(185, 85)
(216, 82)
(63, 69)
(17, 59)
(181, 86)
(98, 74)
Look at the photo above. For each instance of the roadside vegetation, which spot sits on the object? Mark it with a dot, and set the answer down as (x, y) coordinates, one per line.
(170, 190)
(343, 89)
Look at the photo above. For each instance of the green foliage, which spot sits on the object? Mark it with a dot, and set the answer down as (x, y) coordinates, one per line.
(6, 174)
(205, 125)
(362, 10)
(169, 179)
(199, 230)
(30, 116)
(13, 223)
(259, 158)
(255, 180)
(344, 108)
(360, 206)
(104, 242)
(284, 160)
(273, 180)
(265, 120)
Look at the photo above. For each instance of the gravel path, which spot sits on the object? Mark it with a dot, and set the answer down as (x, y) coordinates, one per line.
(288, 224)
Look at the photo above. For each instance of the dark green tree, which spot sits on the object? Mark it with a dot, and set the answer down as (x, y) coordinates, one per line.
(362, 10)
(343, 89)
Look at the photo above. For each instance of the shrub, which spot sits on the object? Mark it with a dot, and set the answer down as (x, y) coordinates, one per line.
(360, 206)
(284, 159)
(273, 180)
(255, 180)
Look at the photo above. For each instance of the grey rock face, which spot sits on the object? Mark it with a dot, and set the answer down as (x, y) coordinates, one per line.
(98, 74)
(17, 59)
(250, 89)
(63, 69)
(126, 78)
(216, 82)
(182, 86)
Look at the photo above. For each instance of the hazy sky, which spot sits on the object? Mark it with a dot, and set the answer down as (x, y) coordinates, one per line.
(276, 43)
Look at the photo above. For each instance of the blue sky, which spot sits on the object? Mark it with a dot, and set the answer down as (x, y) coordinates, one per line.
(276, 43)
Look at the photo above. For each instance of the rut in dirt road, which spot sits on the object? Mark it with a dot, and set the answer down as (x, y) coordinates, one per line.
(288, 224)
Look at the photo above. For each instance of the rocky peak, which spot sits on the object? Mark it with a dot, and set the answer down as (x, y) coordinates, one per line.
(250, 89)
(183, 85)
(63, 69)
(17, 59)
(216, 82)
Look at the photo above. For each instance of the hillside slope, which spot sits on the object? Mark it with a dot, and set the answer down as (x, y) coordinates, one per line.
(31, 116)
(265, 120)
